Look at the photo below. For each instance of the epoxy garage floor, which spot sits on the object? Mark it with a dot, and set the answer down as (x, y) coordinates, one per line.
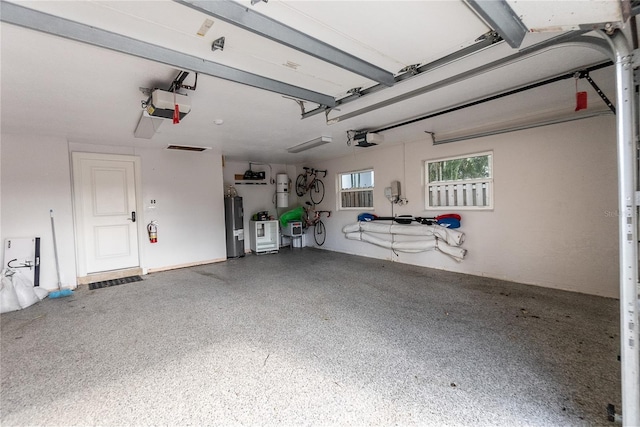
(316, 338)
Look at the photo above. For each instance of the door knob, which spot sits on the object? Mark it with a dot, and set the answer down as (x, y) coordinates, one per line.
(133, 217)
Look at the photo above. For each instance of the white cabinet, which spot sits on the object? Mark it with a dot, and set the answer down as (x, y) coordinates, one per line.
(265, 236)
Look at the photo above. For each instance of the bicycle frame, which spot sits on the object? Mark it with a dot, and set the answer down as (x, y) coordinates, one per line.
(311, 175)
(312, 216)
(309, 183)
(311, 180)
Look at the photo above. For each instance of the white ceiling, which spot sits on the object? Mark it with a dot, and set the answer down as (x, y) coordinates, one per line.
(55, 86)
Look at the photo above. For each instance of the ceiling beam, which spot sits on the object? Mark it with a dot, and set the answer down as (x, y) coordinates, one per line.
(499, 15)
(250, 20)
(50, 24)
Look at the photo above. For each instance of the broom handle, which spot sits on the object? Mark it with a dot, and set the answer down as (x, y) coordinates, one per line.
(55, 248)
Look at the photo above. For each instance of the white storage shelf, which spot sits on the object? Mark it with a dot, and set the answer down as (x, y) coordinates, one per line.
(264, 236)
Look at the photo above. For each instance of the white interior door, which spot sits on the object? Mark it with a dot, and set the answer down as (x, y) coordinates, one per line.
(105, 189)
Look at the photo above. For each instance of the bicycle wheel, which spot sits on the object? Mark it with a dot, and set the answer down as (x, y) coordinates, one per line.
(301, 185)
(319, 233)
(317, 192)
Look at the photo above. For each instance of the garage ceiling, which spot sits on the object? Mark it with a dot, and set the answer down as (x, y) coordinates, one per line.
(54, 85)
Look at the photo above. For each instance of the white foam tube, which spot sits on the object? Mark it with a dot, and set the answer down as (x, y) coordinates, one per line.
(410, 246)
(452, 237)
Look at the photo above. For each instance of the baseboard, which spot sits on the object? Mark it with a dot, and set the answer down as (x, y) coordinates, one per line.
(118, 274)
(191, 264)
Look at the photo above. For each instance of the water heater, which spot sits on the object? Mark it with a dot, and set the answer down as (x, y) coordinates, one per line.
(282, 190)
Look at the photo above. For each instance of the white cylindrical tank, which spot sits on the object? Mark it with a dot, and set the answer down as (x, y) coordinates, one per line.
(282, 190)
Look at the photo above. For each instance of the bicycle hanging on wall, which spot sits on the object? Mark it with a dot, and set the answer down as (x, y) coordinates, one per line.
(309, 182)
(312, 218)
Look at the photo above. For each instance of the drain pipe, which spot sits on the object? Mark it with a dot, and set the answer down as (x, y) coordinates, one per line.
(628, 223)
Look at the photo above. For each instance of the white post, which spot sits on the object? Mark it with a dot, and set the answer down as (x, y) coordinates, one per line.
(628, 223)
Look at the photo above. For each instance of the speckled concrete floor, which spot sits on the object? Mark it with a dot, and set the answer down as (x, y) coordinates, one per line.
(314, 338)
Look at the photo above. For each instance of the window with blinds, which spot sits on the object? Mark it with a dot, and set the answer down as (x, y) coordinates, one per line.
(356, 189)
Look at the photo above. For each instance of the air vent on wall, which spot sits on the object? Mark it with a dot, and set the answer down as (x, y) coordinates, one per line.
(186, 148)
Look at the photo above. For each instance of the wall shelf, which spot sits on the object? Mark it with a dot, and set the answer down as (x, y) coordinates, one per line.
(251, 182)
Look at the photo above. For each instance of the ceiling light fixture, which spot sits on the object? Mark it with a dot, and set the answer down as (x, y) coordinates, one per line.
(254, 2)
(309, 144)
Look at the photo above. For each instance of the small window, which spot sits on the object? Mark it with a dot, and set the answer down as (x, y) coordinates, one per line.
(464, 182)
(356, 189)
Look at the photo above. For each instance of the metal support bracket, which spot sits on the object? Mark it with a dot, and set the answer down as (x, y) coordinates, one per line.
(178, 83)
(491, 35)
(411, 69)
(301, 104)
(585, 75)
(499, 15)
(218, 44)
(145, 91)
(433, 136)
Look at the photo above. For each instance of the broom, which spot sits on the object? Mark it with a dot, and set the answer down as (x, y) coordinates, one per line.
(60, 293)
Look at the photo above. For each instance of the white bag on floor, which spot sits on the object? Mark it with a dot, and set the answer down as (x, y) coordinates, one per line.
(24, 288)
(41, 292)
(8, 297)
(14, 283)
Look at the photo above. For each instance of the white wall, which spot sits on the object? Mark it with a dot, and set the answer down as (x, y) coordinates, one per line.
(36, 177)
(187, 187)
(257, 198)
(554, 219)
(554, 222)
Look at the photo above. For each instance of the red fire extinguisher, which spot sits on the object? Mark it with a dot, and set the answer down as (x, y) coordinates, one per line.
(152, 229)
